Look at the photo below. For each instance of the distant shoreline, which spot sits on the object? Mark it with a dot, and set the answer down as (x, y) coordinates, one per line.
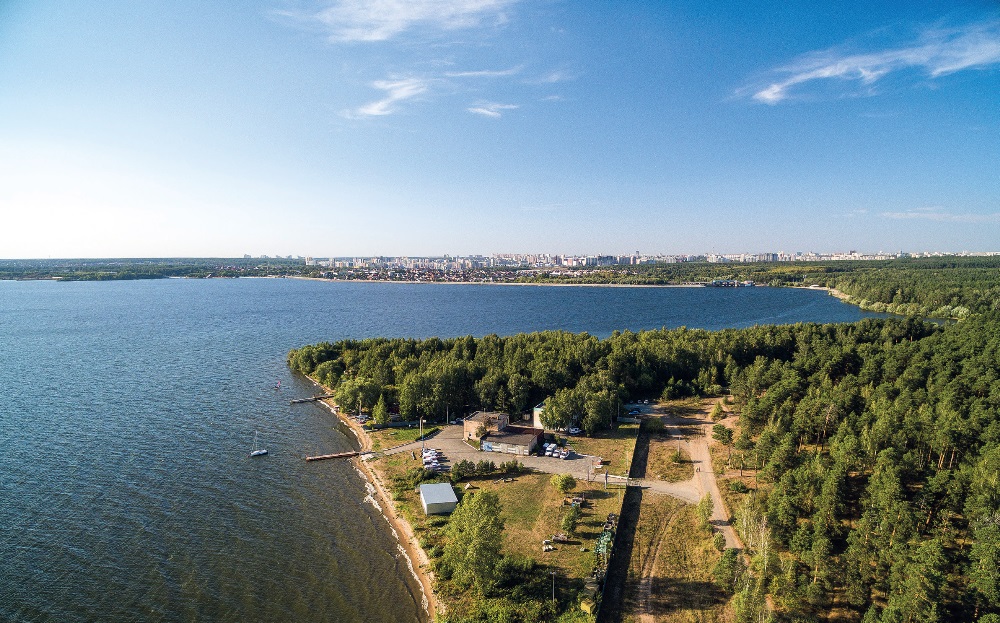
(510, 283)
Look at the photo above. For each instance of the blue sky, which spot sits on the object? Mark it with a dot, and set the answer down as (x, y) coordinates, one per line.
(426, 127)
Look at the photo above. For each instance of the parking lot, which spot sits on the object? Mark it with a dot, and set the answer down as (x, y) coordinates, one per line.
(449, 441)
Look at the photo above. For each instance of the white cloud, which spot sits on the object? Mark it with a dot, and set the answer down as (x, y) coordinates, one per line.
(396, 91)
(937, 52)
(942, 216)
(490, 109)
(559, 75)
(485, 73)
(380, 20)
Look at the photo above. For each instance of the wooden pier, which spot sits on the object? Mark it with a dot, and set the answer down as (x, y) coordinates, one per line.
(299, 401)
(339, 455)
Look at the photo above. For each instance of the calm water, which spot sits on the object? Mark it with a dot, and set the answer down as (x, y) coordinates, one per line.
(129, 409)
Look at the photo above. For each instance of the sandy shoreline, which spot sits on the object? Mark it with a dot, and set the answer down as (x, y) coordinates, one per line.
(417, 559)
(831, 291)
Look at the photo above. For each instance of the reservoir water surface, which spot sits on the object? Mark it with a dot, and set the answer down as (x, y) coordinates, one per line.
(129, 408)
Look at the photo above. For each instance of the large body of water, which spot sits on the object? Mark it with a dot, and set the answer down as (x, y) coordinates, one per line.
(129, 408)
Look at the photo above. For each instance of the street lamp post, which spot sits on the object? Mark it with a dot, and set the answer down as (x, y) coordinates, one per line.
(553, 586)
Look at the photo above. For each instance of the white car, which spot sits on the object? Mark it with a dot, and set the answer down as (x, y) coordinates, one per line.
(574, 431)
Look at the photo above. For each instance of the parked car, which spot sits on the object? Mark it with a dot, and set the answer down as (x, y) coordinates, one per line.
(574, 431)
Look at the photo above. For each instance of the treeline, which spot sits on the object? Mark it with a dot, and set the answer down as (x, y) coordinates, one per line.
(577, 375)
(939, 288)
(130, 269)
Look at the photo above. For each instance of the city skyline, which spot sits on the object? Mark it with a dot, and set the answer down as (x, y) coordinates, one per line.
(497, 126)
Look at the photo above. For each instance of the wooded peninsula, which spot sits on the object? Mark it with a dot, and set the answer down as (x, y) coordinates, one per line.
(875, 446)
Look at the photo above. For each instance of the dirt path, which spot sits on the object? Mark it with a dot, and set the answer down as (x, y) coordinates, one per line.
(696, 432)
(646, 577)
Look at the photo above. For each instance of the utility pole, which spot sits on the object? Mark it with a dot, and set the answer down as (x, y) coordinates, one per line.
(553, 586)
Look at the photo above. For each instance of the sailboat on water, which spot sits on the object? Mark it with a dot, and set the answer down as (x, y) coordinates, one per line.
(257, 450)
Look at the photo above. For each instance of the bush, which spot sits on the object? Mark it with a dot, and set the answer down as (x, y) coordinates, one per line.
(570, 520)
(511, 467)
(563, 482)
(718, 412)
(738, 486)
(705, 508)
(719, 541)
(462, 469)
(485, 468)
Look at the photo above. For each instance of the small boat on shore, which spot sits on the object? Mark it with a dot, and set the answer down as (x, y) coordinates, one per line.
(257, 451)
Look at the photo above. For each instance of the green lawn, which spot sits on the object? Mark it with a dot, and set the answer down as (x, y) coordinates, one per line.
(662, 464)
(614, 446)
(390, 437)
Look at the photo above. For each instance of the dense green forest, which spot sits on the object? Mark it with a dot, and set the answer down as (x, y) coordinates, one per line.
(877, 444)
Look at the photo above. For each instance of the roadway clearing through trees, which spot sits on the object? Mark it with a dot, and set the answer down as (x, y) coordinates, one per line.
(660, 548)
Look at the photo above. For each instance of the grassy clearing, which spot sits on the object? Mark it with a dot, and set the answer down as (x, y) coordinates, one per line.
(391, 437)
(533, 510)
(670, 577)
(614, 446)
(663, 463)
(685, 407)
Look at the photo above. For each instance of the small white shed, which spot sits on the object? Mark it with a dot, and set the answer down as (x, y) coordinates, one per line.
(438, 498)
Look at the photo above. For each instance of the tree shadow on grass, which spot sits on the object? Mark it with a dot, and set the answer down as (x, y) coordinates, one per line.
(668, 595)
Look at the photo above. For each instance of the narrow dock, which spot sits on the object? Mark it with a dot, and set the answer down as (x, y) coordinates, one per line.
(299, 401)
(339, 455)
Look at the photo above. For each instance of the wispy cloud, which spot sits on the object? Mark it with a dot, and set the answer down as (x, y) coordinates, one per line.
(490, 109)
(396, 91)
(559, 75)
(937, 52)
(380, 20)
(942, 216)
(485, 73)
